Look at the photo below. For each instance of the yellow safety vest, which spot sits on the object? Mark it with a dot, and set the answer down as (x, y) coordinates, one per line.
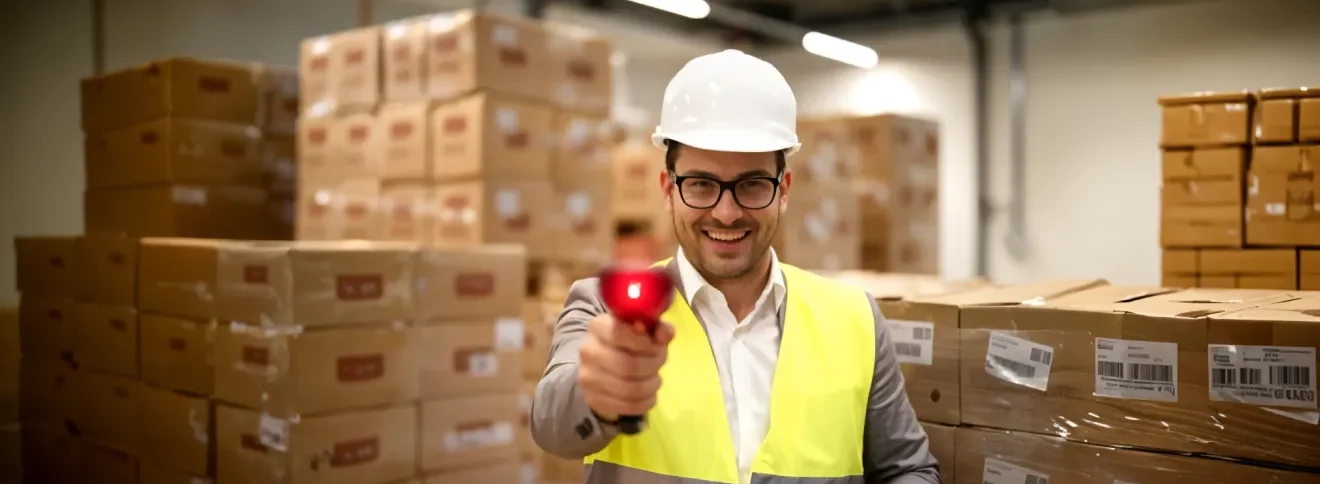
(817, 405)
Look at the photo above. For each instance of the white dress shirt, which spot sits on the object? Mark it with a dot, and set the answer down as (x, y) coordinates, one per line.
(745, 354)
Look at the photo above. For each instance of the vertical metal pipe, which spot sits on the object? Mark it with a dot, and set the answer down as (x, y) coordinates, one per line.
(981, 102)
(364, 12)
(1016, 241)
(98, 37)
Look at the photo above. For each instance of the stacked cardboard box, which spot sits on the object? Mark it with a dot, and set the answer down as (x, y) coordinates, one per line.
(190, 148)
(11, 465)
(641, 220)
(866, 192)
(1238, 196)
(458, 129)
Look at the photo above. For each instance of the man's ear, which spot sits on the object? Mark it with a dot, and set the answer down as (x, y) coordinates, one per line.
(784, 187)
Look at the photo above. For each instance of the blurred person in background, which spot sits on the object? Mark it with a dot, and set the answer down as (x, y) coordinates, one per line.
(771, 374)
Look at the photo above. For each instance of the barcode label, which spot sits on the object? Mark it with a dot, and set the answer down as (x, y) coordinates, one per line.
(1278, 376)
(1019, 361)
(914, 341)
(999, 472)
(1146, 370)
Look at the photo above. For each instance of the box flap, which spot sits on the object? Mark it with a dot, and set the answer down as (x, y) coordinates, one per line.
(1196, 303)
(1305, 310)
(1033, 293)
(884, 286)
(1108, 294)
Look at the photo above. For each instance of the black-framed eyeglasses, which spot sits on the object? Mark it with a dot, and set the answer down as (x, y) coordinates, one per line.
(703, 192)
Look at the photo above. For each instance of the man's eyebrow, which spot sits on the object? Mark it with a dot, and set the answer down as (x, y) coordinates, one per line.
(701, 173)
(745, 174)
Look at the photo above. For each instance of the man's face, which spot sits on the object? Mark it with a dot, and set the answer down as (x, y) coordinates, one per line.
(727, 240)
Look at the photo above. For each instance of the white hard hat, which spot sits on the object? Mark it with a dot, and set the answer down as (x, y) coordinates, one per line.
(729, 101)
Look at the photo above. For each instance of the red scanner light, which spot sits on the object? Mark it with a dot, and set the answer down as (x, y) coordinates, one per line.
(636, 295)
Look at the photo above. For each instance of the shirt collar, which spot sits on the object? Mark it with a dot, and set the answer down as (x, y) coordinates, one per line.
(693, 282)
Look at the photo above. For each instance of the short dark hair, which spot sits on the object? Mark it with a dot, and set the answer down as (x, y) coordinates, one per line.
(671, 157)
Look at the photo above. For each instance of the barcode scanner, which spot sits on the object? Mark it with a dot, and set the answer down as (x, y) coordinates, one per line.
(636, 295)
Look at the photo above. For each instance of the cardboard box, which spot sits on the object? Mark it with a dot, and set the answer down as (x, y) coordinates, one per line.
(407, 211)
(9, 366)
(584, 229)
(311, 283)
(348, 149)
(479, 357)
(821, 229)
(46, 328)
(355, 68)
(279, 162)
(486, 135)
(313, 144)
(177, 276)
(510, 472)
(580, 149)
(1201, 199)
(176, 431)
(1180, 268)
(495, 212)
(107, 269)
(108, 410)
(1269, 405)
(539, 318)
(932, 322)
(550, 281)
(526, 395)
(287, 372)
(314, 76)
(403, 59)
(376, 446)
(174, 150)
(49, 394)
(11, 454)
(993, 456)
(105, 338)
(153, 473)
(1281, 208)
(279, 100)
(180, 210)
(1248, 268)
(473, 50)
(1205, 119)
(176, 87)
(1278, 117)
(580, 70)
(560, 470)
(1120, 365)
(637, 166)
(1309, 268)
(831, 152)
(943, 444)
(51, 454)
(46, 266)
(468, 431)
(176, 353)
(402, 138)
(470, 283)
(338, 209)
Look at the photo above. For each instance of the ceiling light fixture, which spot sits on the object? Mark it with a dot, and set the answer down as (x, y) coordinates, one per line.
(696, 9)
(831, 47)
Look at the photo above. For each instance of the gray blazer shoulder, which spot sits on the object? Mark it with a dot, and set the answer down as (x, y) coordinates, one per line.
(896, 449)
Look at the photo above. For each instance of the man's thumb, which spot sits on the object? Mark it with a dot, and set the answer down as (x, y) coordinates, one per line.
(664, 333)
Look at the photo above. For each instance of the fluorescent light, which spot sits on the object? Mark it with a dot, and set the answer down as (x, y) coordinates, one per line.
(697, 9)
(831, 47)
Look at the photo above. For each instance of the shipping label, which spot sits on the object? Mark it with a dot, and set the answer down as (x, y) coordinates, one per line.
(1000, 472)
(1145, 370)
(914, 341)
(1279, 376)
(1019, 361)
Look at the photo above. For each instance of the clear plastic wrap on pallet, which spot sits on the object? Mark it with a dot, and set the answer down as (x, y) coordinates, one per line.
(1217, 372)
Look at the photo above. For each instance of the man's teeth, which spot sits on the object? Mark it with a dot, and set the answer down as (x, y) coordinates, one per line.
(726, 235)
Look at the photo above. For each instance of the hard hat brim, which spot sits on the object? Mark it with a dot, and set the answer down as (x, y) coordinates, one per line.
(735, 141)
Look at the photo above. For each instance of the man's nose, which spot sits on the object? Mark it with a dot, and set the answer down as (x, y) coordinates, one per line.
(727, 210)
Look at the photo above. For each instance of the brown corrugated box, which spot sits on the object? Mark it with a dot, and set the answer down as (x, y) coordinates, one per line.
(829, 154)
(374, 446)
(1248, 268)
(510, 472)
(338, 209)
(526, 394)
(1281, 202)
(583, 229)
(176, 431)
(406, 211)
(1180, 268)
(485, 135)
(540, 318)
(175, 353)
(822, 228)
(350, 140)
(177, 276)
(11, 454)
(1205, 119)
(580, 149)
(402, 148)
(1114, 365)
(178, 210)
(9, 366)
(46, 328)
(108, 410)
(105, 338)
(51, 452)
(174, 150)
(1287, 115)
(107, 267)
(495, 212)
(153, 473)
(1280, 341)
(313, 144)
(484, 51)
(1201, 197)
(105, 465)
(468, 431)
(176, 87)
(943, 444)
(470, 283)
(997, 456)
(1309, 268)
(49, 394)
(932, 382)
(580, 71)
(279, 93)
(279, 162)
(354, 76)
(46, 266)
(472, 358)
(637, 165)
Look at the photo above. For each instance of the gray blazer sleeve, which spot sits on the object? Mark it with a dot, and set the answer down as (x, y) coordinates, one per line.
(897, 450)
(562, 424)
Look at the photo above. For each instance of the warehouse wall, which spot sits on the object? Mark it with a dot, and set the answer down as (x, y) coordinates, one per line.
(1092, 121)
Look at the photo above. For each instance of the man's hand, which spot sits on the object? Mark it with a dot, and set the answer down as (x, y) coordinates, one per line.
(620, 366)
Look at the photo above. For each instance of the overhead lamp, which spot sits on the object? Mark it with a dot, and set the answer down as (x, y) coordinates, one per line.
(696, 9)
(831, 47)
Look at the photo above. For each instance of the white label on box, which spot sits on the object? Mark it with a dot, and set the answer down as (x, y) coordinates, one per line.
(529, 473)
(914, 341)
(524, 403)
(1000, 472)
(498, 434)
(508, 202)
(1279, 376)
(483, 365)
(816, 227)
(504, 35)
(829, 209)
(578, 131)
(1019, 361)
(506, 119)
(578, 205)
(189, 195)
(509, 334)
(1144, 370)
(273, 433)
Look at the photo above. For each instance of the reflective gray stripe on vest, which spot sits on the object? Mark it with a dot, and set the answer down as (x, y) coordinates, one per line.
(600, 472)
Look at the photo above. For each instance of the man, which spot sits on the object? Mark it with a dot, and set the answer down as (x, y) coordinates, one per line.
(770, 374)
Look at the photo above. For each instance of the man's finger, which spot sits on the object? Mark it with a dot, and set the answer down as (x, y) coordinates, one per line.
(620, 364)
(630, 338)
(664, 333)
